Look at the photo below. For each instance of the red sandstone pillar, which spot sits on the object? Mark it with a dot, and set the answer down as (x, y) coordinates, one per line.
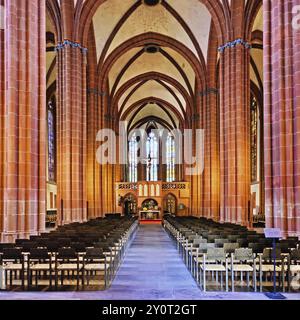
(211, 126)
(22, 119)
(72, 134)
(234, 134)
(106, 181)
(282, 116)
(210, 201)
(72, 122)
(195, 180)
(93, 168)
(2, 114)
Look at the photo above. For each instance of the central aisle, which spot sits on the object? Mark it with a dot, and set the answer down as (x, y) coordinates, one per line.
(152, 269)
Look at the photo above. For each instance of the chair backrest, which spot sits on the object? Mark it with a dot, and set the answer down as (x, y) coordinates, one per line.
(94, 253)
(219, 243)
(249, 232)
(28, 245)
(43, 241)
(45, 234)
(184, 230)
(292, 244)
(34, 238)
(216, 232)
(295, 239)
(39, 254)
(257, 247)
(53, 246)
(78, 246)
(242, 235)
(67, 253)
(12, 254)
(192, 238)
(211, 245)
(285, 247)
(187, 234)
(110, 243)
(20, 241)
(217, 254)
(243, 254)
(230, 247)
(268, 254)
(295, 255)
(204, 234)
(225, 234)
(202, 248)
(103, 246)
(6, 246)
(213, 237)
(253, 237)
(64, 242)
(198, 241)
(87, 242)
(243, 243)
(233, 237)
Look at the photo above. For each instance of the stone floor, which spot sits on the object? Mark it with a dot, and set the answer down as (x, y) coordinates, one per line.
(152, 270)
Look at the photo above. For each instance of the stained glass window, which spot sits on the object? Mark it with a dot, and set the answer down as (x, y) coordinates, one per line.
(170, 158)
(133, 159)
(254, 138)
(51, 143)
(153, 157)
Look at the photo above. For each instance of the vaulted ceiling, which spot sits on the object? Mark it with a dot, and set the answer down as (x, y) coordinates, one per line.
(256, 70)
(131, 86)
(158, 78)
(51, 66)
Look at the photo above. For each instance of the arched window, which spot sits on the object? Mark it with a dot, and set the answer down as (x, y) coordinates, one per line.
(153, 157)
(51, 142)
(170, 158)
(133, 159)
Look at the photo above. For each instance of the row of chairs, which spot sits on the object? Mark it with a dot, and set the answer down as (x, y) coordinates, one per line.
(76, 254)
(212, 249)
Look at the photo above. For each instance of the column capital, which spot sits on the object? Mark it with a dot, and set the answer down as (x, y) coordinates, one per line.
(109, 117)
(196, 117)
(96, 92)
(234, 43)
(71, 44)
(208, 92)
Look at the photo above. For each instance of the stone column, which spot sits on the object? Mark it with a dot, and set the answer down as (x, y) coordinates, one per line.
(106, 170)
(22, 118)
(196, 179)
(282, 116)
(93, 167)
(2, 115)
(71, 119)
(210, 202)
(93, 121)
(212, 135)
(234, 132)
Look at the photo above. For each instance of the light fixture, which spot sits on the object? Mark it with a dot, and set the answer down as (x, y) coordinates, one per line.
(151, 48)
(151, 3)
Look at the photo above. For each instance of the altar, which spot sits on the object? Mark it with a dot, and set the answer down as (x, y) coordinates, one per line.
(150, 215)
(151, 200)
